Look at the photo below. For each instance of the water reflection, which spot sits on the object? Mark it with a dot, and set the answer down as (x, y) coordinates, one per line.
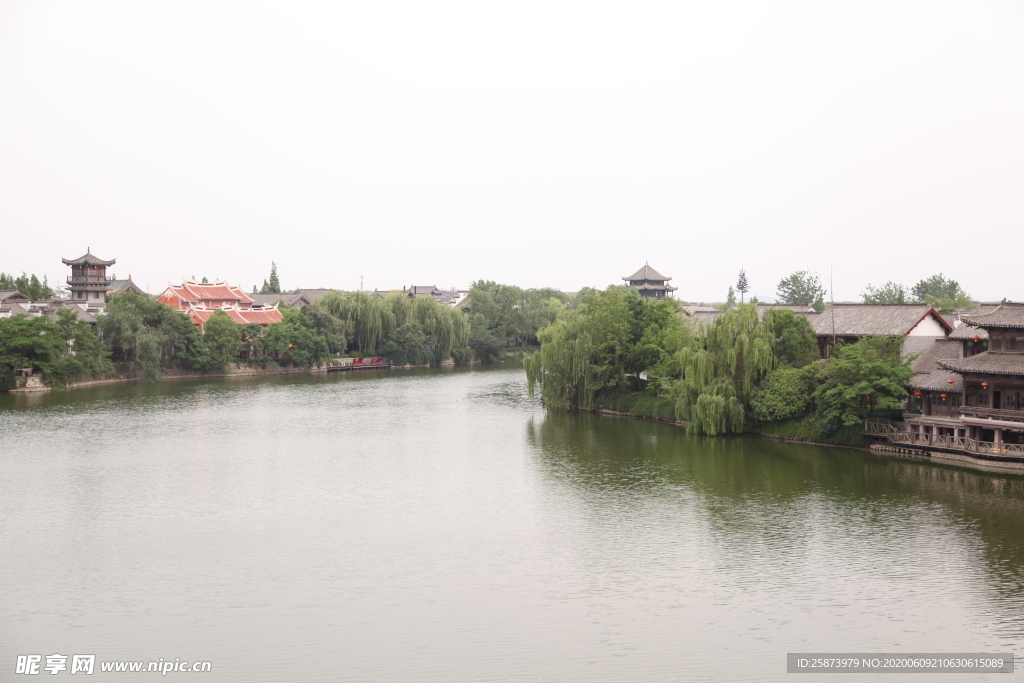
(438, 525)
(865, 537)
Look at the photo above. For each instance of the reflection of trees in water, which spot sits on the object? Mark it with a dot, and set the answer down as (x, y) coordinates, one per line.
(770, 505)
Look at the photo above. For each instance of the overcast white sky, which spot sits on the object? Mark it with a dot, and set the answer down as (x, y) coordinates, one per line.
(548, 143)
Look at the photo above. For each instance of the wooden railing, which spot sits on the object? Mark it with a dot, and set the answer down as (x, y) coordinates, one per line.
(994, 414)
(879, 428)
(959, 443)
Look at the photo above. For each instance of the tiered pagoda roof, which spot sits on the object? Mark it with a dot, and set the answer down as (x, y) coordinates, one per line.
(987, 363)
(88, 260)
(650, 282)
(1007, 315)
(649, 274)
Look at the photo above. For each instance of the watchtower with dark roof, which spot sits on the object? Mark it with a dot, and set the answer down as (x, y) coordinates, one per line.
(650, 283)
(89, 281)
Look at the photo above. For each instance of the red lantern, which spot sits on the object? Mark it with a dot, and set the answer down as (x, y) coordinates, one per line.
(943, 397)
(977, 339)
(984, 385)
(917, 393)
(951, 382)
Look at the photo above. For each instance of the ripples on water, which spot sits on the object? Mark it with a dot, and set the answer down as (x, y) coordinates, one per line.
(440, 526)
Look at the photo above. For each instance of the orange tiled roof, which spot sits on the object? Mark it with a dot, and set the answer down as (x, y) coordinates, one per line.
(199, 315)
(219, 290)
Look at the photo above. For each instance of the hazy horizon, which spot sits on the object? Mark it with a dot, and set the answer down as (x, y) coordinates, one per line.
(538, 144)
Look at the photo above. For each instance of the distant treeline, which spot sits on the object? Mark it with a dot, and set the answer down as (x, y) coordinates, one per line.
(137, 336)
(29, 285)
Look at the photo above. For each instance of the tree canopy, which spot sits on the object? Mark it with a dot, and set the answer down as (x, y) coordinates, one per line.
(889, 293)
(29, 285)
(28, 342)
(742, 284)
(601, 347)
(271, 285)
(937, 287)
(800, 288)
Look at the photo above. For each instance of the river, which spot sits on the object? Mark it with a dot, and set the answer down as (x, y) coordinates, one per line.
(439, 525)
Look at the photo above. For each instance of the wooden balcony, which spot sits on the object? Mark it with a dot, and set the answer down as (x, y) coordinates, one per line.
(956, 443)
(993, 414)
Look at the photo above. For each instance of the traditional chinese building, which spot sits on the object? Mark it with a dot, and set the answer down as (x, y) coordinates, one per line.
(122, 286)
(200, 300)
(217, 294)
(256, 315)
(971, 401)
(917, 326)
(89, 281)
(650, 283)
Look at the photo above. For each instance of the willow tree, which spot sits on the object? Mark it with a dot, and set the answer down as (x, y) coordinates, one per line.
(733, 353)
(369, 318)
(562, 368)
(597, 349)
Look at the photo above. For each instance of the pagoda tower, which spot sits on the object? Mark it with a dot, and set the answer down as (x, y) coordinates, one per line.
(89, 280)
(650, 283)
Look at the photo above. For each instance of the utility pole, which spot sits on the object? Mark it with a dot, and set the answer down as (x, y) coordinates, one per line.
(832, 298)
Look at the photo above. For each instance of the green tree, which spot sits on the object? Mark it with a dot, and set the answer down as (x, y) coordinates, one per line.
(937, 287)
(486, 345)
(801, 288)
(273, 284)
(29, 285)
(513, 314)
(408, 344)
(786, 392)
(795, 342)
(28, 342)
(84, 356)
(742, 285)
(733, 353)
(859, 378)
(889, 293)
(146, 336)
(223, 339)
(294, 341)
(591, 351)
(945, 305)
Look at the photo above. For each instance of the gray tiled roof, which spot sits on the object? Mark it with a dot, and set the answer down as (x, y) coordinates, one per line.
(286, 298)
(939, 350)
(987, 363)
(647, 273)
(6, 294)
(118, 286)
(937, 381)
(966, 332)
(313, 293)
(863, 320)
(1007, 314)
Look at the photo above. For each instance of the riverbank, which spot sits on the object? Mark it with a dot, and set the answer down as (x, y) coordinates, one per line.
(850, 438)
(236, 370)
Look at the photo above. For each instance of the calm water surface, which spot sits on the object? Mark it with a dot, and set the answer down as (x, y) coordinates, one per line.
(440, 526)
